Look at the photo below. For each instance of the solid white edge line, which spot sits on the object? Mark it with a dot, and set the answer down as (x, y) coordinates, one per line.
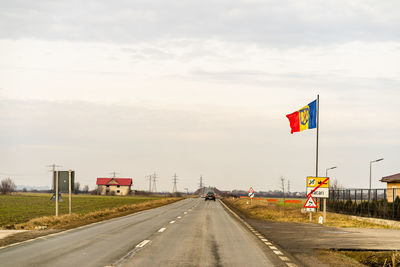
(143, 243)
(273, 248)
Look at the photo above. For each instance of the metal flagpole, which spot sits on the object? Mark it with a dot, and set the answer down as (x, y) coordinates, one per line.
(316, 165)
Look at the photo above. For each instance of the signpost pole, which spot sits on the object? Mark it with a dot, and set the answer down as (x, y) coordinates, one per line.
(70, 194)
(56, 193)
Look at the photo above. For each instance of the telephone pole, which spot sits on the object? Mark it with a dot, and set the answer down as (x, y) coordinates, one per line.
(154, 182)
(174, 189)
(201, 181)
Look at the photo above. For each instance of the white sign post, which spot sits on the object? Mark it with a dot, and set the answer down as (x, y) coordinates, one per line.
(251, 194)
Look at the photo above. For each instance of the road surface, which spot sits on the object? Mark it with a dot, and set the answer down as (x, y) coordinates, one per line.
(192, 232)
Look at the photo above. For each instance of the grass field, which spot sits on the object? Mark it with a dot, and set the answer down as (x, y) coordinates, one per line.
(22, 207)
(291, 212)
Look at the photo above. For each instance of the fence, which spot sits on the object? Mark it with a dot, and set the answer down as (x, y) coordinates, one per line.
(377, 203)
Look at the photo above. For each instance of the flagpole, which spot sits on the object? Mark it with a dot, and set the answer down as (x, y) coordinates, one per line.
(316, 164)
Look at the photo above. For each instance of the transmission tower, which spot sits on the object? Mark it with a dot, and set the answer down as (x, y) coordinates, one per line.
(154, 182)
(53, 166)
(114, 174)
(149, 177)
(174, 189)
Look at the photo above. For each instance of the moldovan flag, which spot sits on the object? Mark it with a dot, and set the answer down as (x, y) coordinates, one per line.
(303, 119)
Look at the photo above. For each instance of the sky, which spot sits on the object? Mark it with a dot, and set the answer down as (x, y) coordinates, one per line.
(199, 88)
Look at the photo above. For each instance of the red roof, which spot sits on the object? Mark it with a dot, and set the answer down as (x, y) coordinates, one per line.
(120, 181)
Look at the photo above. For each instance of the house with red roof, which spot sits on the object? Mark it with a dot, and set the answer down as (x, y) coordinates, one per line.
(114, 186)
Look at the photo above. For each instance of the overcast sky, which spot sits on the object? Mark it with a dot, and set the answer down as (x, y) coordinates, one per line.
(198, 88)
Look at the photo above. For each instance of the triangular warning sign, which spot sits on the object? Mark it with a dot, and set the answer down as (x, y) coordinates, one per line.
(310, 203)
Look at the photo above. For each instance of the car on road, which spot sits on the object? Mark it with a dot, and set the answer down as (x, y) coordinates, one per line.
(210, 196)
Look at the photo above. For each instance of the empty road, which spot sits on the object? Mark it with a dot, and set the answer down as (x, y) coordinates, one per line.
(192, 232)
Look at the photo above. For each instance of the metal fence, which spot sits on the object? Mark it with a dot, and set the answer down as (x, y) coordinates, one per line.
(376, 203)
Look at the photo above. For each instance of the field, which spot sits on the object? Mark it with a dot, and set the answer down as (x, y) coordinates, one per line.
(22, 207)
(291, 212)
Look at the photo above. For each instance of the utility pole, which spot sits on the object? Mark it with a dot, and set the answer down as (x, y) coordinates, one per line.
(288, 187)
(154, 182)
(174, 189)
(53, 166)
(283, 193)
(149, 177)
(201, 184)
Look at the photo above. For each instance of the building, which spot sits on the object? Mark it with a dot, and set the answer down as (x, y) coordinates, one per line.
(114, 186)
(393, 186)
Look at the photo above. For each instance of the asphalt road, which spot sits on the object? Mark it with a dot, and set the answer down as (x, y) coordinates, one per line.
(192, 232)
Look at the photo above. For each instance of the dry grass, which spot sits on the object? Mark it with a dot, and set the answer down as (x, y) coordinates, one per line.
(292, 213)
(334, 258)
(76, 220)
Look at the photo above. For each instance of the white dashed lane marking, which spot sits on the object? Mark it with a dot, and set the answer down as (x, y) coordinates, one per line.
(179, 217)
(143, 243)
(162, 230)
(172, 222)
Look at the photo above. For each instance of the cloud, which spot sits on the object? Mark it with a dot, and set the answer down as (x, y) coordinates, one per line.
(272, 23)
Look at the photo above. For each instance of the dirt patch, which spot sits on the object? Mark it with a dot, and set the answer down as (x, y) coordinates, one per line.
(334, 258)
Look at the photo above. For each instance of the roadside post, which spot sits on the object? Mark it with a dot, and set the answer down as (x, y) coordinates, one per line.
(56, 193)
(318, 187)
(70, 193)
(310, 206)
(251, 194)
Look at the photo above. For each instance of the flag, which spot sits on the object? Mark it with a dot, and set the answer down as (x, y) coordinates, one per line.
(303, 119)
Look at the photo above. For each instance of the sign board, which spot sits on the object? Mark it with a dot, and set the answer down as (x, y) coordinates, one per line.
(310, 203)
(310, 209)
(251, 192)
(320, 192)
(318, 187)
(63, 183)
(316, 181)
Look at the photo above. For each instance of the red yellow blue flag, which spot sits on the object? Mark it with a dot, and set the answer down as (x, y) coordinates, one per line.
(303, 119)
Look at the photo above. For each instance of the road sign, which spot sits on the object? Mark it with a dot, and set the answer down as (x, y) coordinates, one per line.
(251, 190)
(318, 187)
(316, 181)
(251, 195)
(320, 192)
(310, 203)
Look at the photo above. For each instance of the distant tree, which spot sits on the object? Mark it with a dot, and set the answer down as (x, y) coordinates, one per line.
(24, 189)
(85, 189)
(7, 186)
(77, 186)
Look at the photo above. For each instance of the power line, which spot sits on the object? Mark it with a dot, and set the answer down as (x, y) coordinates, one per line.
(149, 177)
(174, 189)
(154, 182)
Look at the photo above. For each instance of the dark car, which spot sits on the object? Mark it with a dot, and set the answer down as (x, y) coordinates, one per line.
(210, 196)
